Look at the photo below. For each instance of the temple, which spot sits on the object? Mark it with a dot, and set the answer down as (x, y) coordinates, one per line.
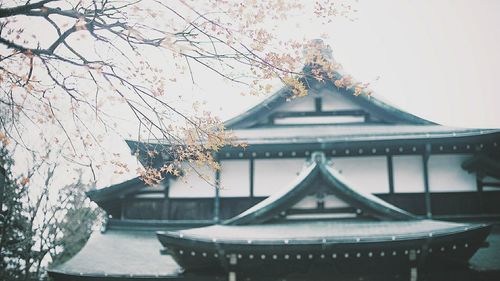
(328, 157)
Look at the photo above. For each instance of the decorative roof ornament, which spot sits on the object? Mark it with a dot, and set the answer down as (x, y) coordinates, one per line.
(315, 50)
(318, 157)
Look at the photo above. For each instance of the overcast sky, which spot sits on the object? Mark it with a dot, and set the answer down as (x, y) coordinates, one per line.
(436, 59)
(439, 60)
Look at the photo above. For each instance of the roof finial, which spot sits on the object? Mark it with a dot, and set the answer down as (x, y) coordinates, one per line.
(317, 49)
(318, 157)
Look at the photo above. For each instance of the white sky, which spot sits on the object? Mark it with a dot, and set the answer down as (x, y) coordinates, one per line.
(436, 59)
(439, 60)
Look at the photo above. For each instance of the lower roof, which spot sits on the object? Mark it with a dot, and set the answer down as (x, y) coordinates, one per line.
(118, 253)
(332, 230)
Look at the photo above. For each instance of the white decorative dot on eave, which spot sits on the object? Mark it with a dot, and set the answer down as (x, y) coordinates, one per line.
(347, 151)
(374, 150)
(267, 154)
(240, 154)
(360, 151)
(294, 153)
(254, 154)
(280, 154)
(228, 154)
(334, 152)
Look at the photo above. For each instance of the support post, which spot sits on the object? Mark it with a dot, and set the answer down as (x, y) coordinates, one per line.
(318, 104)
(251, 177)
(425, 161)
(3, 184)
(390, 172)
(479, 185)
(217, 197)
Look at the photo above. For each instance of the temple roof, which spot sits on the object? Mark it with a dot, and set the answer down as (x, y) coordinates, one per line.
(114, 191)
(116, 253)
(296, 232)
(304, 184)
(391, 114)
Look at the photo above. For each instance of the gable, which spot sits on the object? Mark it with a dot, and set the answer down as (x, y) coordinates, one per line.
(319, 191)
(324, 104)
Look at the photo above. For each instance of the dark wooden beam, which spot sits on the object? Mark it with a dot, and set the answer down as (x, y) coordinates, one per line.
(340, 210)
(479, 185)
(252, 177)
(217, 197)
(425, 161)
(318, 104)
(490, 184)
(284, 114)
(390, 174)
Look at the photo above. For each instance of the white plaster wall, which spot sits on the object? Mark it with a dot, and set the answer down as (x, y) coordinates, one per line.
(271, 175)
(408, 173)
(368, 174)
(447, 175)
(299, 104)
(192, 185)
(330, 201)
(235, 178)
(333, 100)
(308, 202)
